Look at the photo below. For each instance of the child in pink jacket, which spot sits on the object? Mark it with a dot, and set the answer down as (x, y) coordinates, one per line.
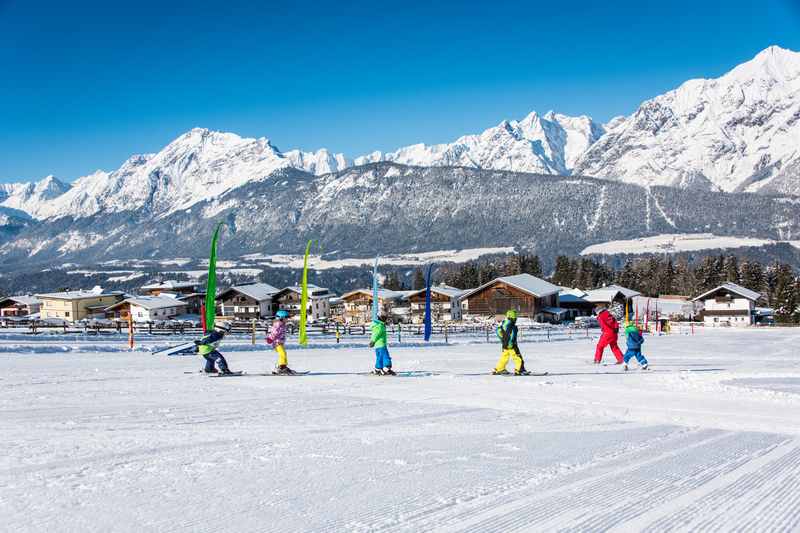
(277, 338)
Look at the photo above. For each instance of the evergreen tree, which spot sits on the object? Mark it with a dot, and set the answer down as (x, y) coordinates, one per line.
(627, 276)
(786, 297)
(418, 281)
(392, 282)
(751, 276)
(730, 267)
(530, 264)
(563, 274)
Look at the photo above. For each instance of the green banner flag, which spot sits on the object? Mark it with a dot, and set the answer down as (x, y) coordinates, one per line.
(211, 283)
(304, 299)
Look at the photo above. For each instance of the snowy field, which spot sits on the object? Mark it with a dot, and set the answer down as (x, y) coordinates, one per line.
(678, 242)
(121, 441)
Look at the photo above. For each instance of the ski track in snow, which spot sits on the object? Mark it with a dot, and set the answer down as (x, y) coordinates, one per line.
(113, 441)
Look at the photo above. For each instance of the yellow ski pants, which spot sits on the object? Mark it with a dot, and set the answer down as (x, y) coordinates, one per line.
(282, 359)
(505, 356)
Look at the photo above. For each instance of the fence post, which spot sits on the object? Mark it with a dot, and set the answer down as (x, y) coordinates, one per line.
(254, 332)
(548, 334)
(130, 331)
(445, 334)
(337, 333)
(399, 333)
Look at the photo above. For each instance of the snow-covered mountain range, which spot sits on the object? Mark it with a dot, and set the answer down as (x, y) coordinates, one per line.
(739, 132)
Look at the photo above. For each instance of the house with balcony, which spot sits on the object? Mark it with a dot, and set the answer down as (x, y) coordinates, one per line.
(728, 305)
(318, 307)
(248, 301)
(357, 305)
(19, 306)
(445, 304)
(529, 296)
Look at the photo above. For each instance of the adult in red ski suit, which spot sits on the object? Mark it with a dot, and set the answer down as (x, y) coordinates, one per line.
(609, 329)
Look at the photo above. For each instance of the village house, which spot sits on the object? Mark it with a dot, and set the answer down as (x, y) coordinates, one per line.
(194, 301)
(169, 286)
(319, 302)
(19, 306)
(146, 308)
(728, 305)
(445, 304)
(574, 302)
(358, 305)
(530, 296)
(666, 306)
(610, 295)
(248, 301)
(72, 306)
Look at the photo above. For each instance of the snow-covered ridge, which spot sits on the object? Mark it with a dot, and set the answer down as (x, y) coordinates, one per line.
(680, 242)
(733, 133)
(548, 145)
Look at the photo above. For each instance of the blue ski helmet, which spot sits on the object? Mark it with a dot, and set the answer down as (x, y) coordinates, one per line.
(282, 314)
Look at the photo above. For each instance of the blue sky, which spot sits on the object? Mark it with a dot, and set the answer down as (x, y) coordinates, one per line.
(84, 85)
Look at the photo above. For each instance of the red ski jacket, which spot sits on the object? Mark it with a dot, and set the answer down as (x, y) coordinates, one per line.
(608, 325)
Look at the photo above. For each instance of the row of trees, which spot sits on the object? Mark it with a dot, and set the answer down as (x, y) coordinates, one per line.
(778, 283)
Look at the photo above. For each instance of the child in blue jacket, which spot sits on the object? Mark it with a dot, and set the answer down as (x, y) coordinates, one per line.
(635, 341)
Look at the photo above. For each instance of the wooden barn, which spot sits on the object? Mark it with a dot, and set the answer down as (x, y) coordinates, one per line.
(530, 296)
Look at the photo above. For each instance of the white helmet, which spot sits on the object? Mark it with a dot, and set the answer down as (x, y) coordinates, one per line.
(223, 326)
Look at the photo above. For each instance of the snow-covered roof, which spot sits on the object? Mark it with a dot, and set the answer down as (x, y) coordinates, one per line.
(169, 284)
(383, 294)
(524, 282)
(445, 290)
(22, 300)
(313, 290)
(78, 295)
(609, 293)
(256, 291)
(572, 291)
(734, 288)
(150, 302)
(554, 310)
(569, 298)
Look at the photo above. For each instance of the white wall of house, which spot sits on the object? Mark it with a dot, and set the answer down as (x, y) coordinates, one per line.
(318, 308)
(741, 311)
(447, 311)
(141, 314)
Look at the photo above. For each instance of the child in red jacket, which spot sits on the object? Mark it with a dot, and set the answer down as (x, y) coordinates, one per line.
(609, 329)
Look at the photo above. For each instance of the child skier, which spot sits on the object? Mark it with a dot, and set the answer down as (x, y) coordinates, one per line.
(383, 362)
(508, 333)
(609, 328)
(207, 347)
(635, 341)
(277, 338)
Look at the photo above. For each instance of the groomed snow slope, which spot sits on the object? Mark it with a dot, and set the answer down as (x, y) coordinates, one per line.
(128, 442)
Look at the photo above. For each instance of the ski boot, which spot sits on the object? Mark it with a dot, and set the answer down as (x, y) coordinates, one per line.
(503, 372)
(283, 370)
(225, 372)
(522, 372)
(646, 366)
(389, 372)
(377, 372)
(212, 371)
(625, 367)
